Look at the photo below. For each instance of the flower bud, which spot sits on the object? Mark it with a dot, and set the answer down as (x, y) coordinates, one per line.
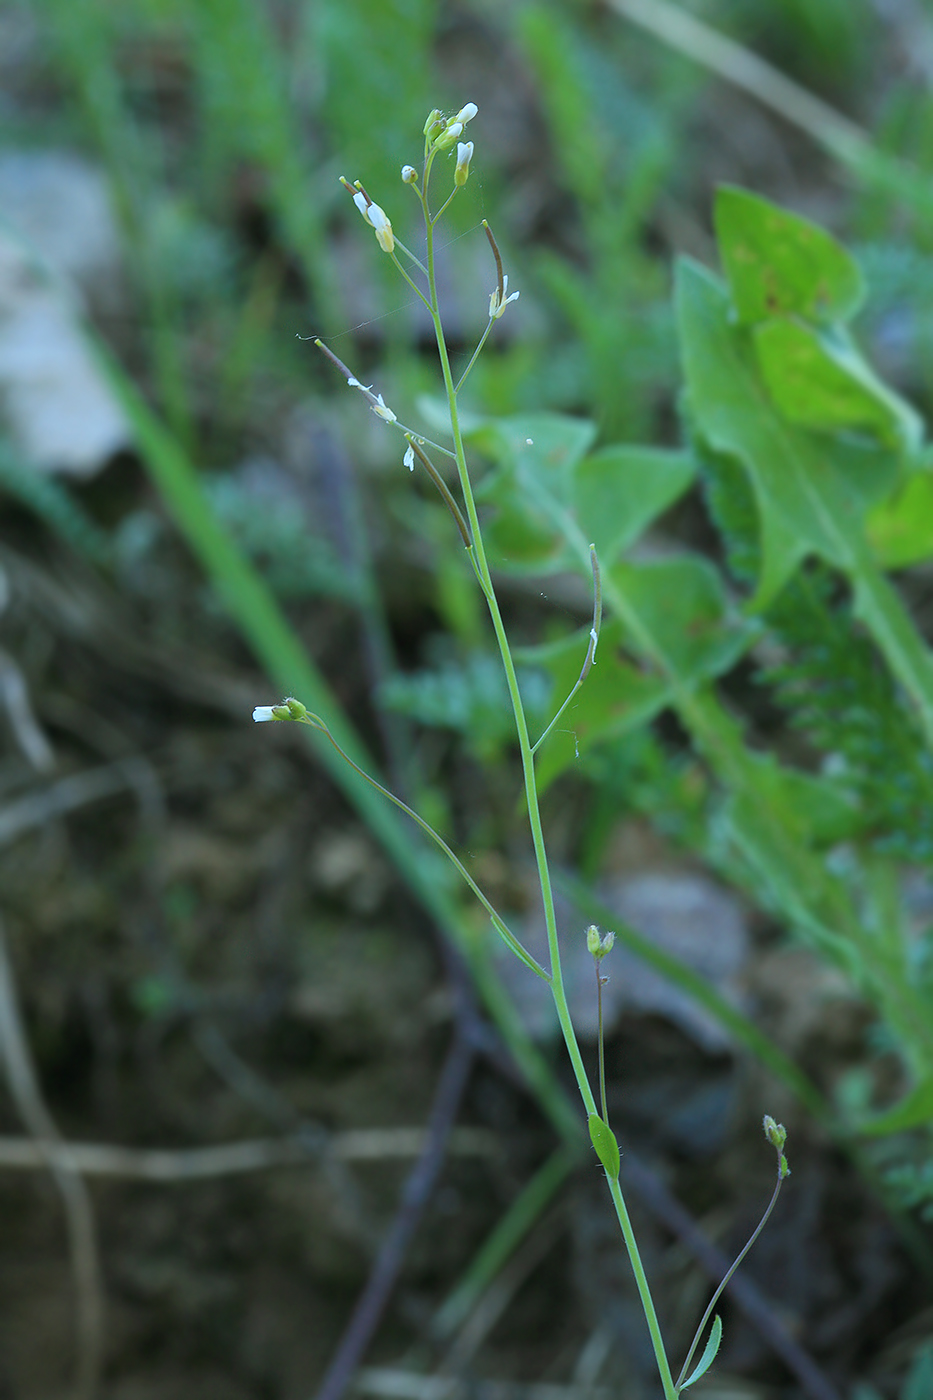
(433, 118)
(376, 218)
(448, 136)
(409, 174)
(295, 708)
(464, 156)
(776, 1133)
(592, 940)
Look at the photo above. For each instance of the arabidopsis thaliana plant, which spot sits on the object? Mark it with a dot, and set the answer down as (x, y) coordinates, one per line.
(497, 303)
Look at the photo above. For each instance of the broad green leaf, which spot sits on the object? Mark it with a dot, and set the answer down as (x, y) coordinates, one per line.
(673, 611)
(531, 486)
(915, 1109)
(541, 448)
(822, 382)
(619, 491)
(900, 530)
(779, 264)
(811, 495)
(677, 616)
(709, 1353)
(819, 810)
(519, 538)
(616, 696)
(604, 1141)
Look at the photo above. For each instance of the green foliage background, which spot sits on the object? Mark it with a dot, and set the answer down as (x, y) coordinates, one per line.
(740, 439)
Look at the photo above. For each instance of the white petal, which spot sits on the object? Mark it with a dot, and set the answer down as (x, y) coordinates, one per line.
(409, 459)
(359, 199)
(262, 713)
(466, 113)
(377, 216)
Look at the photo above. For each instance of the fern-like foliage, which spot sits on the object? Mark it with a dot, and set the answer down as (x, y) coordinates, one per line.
(833, 685)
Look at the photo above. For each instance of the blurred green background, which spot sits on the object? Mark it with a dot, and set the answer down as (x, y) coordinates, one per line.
(208, 938)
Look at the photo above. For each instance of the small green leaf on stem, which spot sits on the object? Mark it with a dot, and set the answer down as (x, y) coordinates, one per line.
(709, 1353)
(604, 1141)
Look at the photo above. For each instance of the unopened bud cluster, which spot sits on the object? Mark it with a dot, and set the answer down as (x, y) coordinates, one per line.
(290, 708)
(598, 945)
(442, 132)
(776, 1134)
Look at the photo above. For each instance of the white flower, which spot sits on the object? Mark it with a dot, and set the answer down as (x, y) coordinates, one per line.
(409, 459)
(498, 304)
(264, 712)
(464, 156)
(409, 174)
(381, 409)
(377, 219)
(452, 132)
(384, 235)
(376, 402)
(467, 113)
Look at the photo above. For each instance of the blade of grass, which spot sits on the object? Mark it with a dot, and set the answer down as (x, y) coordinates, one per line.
(501, 1243)
(841, 138)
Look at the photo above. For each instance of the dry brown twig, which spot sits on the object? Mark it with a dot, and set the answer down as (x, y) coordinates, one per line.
(53, 1152)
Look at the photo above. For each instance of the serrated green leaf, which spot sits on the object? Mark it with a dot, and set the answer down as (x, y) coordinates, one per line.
(914, 1109)
(604, 1141)
(779, 264)
(709, 1353)
(619, 491)
(811, 496)
(822, 382)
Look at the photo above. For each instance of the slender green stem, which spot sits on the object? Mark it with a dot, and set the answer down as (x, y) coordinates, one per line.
(499, 924)
(442, 487)
(410, 280)
(601, 1042)
(412, 258)
(475, 356)
(590, 657)
(698, 1336)
(531, 795)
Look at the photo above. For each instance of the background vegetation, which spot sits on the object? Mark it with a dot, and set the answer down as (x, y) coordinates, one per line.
(216, 939)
